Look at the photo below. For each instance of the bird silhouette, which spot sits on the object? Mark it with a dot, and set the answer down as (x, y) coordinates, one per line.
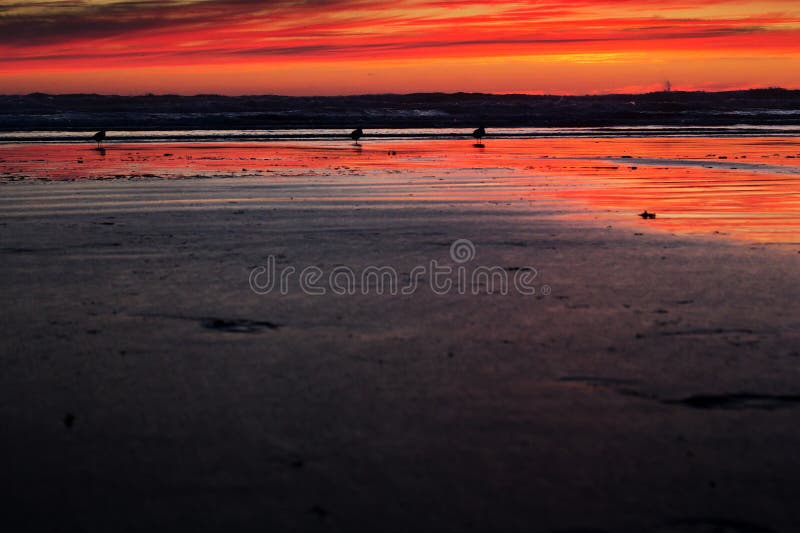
(99, 137)
(479, 133)
(647, 215)
(356, 134)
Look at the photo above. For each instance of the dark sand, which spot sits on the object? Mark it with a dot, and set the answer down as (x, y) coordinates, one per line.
(145, 387)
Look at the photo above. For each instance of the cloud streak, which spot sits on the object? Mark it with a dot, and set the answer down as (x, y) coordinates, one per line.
(118, 34)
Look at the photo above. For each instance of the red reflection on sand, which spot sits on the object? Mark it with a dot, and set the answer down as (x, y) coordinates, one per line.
(744, 187)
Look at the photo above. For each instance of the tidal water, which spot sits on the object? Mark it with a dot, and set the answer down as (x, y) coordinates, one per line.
(737, 186)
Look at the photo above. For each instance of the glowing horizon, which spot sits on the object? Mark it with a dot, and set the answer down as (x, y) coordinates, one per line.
(326, 47)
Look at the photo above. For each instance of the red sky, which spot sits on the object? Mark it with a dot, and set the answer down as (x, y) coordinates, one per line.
(345, 47)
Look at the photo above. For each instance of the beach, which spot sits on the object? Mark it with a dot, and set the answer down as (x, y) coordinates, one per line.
(649, 382)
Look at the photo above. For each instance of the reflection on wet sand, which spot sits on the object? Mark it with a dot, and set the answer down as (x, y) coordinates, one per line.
(742, 187)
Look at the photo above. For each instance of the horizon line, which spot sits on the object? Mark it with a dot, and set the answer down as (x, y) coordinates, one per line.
(445, 93)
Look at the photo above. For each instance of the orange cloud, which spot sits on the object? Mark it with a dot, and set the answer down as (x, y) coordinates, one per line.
(47, 41)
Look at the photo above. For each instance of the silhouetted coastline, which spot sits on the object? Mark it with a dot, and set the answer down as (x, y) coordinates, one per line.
(76, 112)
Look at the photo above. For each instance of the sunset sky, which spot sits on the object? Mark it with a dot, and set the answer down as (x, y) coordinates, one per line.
(348, 47)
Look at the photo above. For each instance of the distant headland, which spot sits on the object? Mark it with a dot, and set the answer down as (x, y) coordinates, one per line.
(78, 112)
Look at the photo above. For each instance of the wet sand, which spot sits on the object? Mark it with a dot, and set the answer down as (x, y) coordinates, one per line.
(743, 187)
(654, 386)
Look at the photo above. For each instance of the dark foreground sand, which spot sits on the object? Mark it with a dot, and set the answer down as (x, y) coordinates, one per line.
(656, 389)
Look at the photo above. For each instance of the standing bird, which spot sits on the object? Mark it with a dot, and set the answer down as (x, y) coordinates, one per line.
(99, 137)
(356, 134)
(479, 133)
